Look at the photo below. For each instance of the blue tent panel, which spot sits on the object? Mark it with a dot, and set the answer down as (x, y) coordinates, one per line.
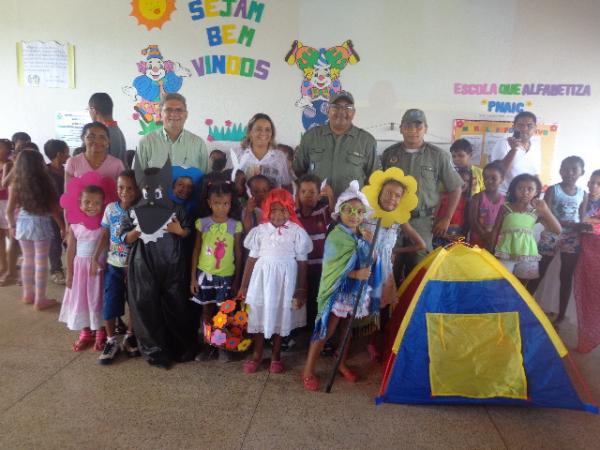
(549, 384)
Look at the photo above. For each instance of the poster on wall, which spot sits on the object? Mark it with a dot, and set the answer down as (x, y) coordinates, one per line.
(46, 64)
(68, 125)
(483, 135)
(321, 69)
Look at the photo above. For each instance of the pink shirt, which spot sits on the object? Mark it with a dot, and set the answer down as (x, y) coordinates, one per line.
(78, 166)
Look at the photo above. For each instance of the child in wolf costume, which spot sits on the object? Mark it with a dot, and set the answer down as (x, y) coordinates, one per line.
(157, 286)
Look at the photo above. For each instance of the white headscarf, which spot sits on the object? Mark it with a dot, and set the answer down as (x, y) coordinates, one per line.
(351, 192)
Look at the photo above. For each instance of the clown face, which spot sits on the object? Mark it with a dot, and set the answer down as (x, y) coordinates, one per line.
(155, 69)
(321, 77)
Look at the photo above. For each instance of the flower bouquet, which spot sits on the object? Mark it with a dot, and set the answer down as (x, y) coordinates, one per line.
(228, 327)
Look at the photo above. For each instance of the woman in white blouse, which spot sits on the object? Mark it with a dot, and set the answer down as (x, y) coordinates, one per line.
(257, 153)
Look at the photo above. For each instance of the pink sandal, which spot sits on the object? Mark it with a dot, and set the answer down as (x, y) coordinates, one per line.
(86, 338)
(250, 366)
(100, 340)
(311, 383)
(276, 367)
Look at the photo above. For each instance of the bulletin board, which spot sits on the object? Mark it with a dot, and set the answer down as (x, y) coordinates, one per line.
(483, 135)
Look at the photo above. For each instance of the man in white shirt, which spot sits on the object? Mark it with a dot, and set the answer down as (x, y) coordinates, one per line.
(520, 153)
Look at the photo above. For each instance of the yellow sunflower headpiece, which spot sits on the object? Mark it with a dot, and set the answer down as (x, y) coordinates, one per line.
(407, 203)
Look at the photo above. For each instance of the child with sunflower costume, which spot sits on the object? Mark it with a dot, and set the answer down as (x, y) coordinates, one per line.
(392, 196)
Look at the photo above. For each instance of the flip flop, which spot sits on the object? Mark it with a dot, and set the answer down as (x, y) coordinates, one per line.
(276, 367)
(349, 375)
(250, 366)
(311, 383)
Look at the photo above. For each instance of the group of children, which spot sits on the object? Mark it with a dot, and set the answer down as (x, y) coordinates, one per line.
(294, 261)
(504, 223)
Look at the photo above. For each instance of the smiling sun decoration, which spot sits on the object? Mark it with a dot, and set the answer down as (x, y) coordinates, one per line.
(152, 13)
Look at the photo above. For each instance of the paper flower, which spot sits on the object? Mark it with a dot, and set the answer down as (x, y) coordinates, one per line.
(208, 122)
(207, 332)
(69, 201)
(243, 346)
(240, 318)
(235, 331)
(227, 306)
(209, 138)
(218, 338)
(219, 320)
(407, 203)
(232, 343)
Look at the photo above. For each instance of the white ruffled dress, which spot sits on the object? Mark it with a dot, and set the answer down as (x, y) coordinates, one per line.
(273, 280)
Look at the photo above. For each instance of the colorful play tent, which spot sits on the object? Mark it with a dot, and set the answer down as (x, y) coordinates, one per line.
(471, 333)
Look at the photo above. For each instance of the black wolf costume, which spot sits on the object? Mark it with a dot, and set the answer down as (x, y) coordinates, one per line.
(157, 288)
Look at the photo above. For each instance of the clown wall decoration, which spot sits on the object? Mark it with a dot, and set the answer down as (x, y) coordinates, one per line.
(321, 69)
(159, 77)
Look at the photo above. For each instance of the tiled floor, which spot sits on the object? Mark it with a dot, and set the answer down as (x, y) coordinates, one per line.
(51, 397)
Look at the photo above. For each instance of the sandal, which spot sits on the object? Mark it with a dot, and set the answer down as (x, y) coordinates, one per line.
(311, 383)
(348, 374)
(374, 354)
(86, 338)
(100, 340)
(27, 301)
(45, 304)
(276, 367)
(250, 366)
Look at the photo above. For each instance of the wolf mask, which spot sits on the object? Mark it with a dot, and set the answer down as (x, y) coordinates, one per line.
(155, 208)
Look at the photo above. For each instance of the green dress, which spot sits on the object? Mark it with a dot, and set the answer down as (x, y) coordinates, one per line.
(516, 241)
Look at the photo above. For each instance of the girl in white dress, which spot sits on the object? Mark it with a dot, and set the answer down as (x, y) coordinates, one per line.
(274, 281)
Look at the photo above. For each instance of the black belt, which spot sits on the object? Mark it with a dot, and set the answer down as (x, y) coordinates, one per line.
(422, 213)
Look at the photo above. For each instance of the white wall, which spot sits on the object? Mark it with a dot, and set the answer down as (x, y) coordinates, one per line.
(411, 54)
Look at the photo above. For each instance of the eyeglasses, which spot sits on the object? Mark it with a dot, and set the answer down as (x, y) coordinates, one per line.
(336, 107)
(350, 211)
(174, 110)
